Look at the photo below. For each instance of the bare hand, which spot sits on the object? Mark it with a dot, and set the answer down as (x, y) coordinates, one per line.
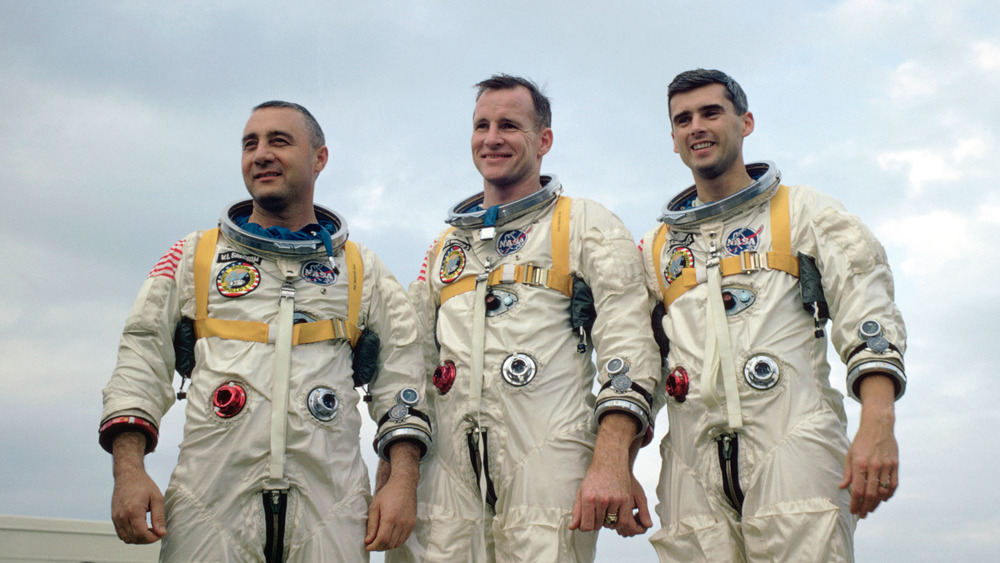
(639, 521)
(872, 467)
(393, 511)
(135, 493)
(605, 498)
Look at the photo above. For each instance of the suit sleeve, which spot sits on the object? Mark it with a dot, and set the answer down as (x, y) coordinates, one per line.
(140, 390)
(611, 265)
(858, 286)
(400, 372)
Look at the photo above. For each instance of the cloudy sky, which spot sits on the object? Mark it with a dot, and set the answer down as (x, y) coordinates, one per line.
(121, 131)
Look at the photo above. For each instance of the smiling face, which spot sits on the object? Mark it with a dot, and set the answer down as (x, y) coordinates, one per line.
(708, 135)
(280, 164)
(508, 144)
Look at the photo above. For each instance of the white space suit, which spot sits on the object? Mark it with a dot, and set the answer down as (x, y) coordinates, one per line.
(757, 436)
(529, 412)
(235, 448)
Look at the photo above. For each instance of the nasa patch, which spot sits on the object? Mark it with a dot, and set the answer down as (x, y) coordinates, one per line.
(319, 273)
(238, 279)
(681, 258)
(452, 264)
(511, 241)
(742, 240)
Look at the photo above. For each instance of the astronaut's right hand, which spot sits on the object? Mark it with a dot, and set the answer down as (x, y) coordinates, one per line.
(135, 494)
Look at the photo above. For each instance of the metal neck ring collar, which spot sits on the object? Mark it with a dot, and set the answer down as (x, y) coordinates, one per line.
(293, 248)
(461, 216)
(680, 213)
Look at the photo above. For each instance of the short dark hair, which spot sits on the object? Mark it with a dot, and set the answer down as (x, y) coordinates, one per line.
(543, 109)
(692, 79)
(315, 131)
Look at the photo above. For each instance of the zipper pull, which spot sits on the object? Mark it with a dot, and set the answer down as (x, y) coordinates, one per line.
(727, 447)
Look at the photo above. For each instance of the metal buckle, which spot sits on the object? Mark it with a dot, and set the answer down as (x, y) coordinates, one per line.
(749, 261)
(538, 276)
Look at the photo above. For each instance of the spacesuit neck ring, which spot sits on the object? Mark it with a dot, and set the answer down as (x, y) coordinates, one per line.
(292, 248)
(469, 213)
(680, 211)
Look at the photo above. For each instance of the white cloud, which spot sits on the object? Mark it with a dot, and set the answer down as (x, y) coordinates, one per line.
(987, 56)
(912, 80)
(970, 149)
(938, 168)
(920, 237)
(857, 16)
(922, 167)
(989, 213)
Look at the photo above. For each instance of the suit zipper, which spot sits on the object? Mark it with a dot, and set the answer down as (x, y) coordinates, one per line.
(474, 435)
(274, 507)
(729, 463)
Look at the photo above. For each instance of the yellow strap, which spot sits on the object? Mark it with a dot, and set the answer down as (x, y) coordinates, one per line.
(461, 285)
(525, 274)
(778, 258)
(439, 242)
(687, 280)
(355, 279)
(557, 277)
(660, 239)
(560, 241)
(202, 271)
(249, 331)
(253, 331)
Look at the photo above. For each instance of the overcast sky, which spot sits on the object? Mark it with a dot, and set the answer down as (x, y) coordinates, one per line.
(120, 133)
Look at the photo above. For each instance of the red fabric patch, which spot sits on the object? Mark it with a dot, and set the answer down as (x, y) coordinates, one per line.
(423, 267)
(167, 266)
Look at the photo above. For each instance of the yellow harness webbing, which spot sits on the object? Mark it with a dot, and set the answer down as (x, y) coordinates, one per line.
(440, 241)
(658, 241)
(778, 258)
(557, 277)
(252, 331)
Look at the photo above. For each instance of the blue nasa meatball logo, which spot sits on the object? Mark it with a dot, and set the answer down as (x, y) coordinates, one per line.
(511, 241)
(319, 273)
(742, 240)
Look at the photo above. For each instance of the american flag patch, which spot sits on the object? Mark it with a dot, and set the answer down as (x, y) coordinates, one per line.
(641, 241)
(423, 267)
(167, 265)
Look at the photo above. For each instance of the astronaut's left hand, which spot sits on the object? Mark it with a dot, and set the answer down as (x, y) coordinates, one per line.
(872, 467)
(605, 498)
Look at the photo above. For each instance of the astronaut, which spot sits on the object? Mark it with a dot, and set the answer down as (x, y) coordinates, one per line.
(276, 316)
(747, 271)
(516, 423)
